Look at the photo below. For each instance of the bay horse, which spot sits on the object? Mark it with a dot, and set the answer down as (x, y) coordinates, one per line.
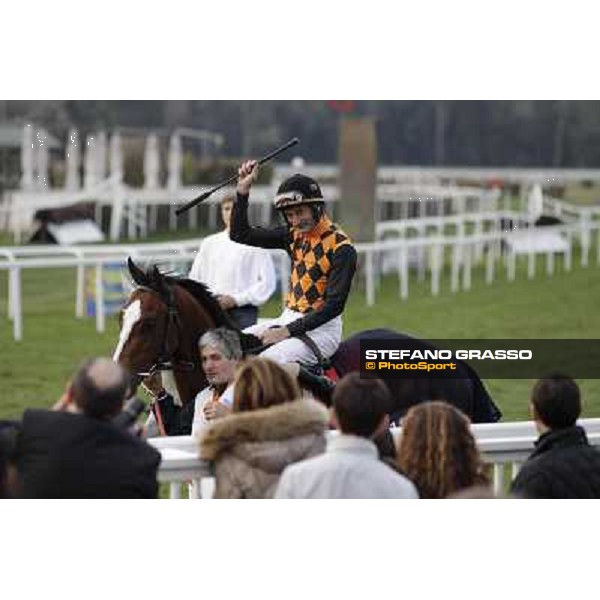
(165, 316)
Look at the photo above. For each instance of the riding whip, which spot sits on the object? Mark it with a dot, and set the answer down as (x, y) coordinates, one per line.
(261, 161)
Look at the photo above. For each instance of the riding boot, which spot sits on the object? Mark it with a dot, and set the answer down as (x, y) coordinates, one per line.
(321, 387)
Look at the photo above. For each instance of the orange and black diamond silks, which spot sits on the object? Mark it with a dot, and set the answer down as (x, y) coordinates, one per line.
(311, 263)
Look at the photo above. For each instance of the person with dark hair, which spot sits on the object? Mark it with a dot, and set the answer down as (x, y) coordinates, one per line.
(270, 427)
(323, 263)
(75, 451)
(350, 467)
(563, 464)
(438, 451)
(242, 278)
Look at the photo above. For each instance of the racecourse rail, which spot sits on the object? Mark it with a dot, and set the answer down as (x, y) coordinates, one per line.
(430, 247)
(504, 446)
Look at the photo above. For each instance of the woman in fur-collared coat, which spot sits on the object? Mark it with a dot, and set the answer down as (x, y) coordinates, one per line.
(270, 427)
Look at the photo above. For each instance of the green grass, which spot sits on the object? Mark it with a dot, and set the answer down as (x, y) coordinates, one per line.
(33, 372)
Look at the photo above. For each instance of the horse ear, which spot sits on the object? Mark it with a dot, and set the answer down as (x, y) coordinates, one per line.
(157, 278)
(136, 273)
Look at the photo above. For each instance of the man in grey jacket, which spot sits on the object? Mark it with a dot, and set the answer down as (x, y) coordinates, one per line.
(350, 466)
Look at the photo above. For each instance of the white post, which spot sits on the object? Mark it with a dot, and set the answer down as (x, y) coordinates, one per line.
(498, 478)
(17, 307)
(478, 245)
(468, 249)
(27, 153)
(72, 160)
(89, 163)
(100, 320)
(403, 259)
(436, 263)
(491, 261)
(151, 162)
(585, 240)
(455, 268)
(101, 157)
(115, 158)
(174, 163)
(175, 490)
(41, 159)
(422, 253)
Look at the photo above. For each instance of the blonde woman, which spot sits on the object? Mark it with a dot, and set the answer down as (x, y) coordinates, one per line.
(270, 427)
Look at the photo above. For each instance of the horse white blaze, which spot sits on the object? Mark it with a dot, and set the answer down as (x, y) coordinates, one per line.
(131, 316)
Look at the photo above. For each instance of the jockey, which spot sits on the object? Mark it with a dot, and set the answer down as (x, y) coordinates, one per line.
(323, 266)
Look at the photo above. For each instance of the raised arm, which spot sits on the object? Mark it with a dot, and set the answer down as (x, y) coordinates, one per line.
(240, 230)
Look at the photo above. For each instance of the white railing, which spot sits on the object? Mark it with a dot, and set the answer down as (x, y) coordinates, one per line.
(171, 255)
(464, 252)
(502, 445)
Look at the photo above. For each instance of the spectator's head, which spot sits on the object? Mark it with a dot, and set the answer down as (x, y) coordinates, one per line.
(226, 206)
(555, 402)
(99, 388)
(260, 383)
(220, 353)
(300, 201)
(361, 406)
(437, 450)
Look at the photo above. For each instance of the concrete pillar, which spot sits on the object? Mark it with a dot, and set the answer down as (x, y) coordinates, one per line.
(151, 162)
(41, 159)
(357, 155)
(175, 162)
(27, 153)
(89, 163)
(72, 160)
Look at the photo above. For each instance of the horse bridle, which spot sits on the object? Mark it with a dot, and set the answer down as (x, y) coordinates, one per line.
(164, 361)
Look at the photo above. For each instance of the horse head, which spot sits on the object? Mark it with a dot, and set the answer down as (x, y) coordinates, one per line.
(160, 327)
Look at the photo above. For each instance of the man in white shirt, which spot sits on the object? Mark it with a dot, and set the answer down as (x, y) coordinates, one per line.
(350, 466)
(241, 277)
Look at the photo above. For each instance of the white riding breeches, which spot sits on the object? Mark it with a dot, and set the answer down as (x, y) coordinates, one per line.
(327, 337)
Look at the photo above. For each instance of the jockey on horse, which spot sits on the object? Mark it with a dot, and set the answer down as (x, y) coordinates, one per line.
(323, 266)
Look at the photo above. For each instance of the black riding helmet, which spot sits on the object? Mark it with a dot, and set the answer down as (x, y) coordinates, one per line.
(298, 190)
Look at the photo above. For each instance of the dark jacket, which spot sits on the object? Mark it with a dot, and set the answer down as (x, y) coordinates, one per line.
(563, 465)
(66, 455)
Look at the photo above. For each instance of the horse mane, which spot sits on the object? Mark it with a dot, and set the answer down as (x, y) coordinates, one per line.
(207, 300)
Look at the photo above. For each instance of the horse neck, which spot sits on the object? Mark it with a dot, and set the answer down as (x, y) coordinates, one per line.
(194, 320)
